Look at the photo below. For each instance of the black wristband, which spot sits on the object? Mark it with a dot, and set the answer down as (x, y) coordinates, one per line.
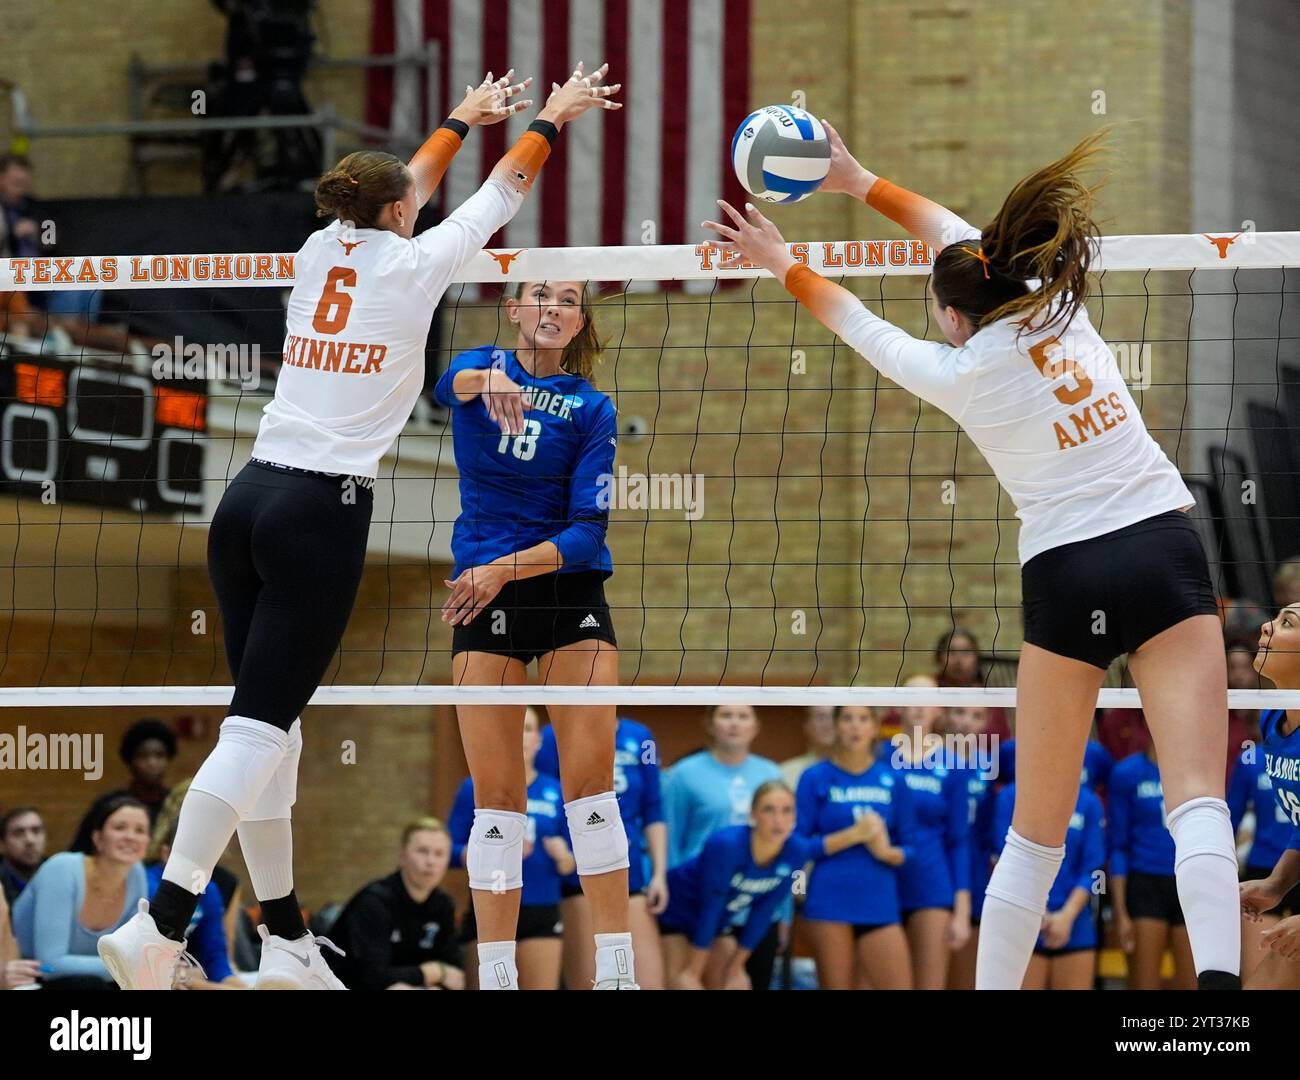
(545, 128)
(458, 126)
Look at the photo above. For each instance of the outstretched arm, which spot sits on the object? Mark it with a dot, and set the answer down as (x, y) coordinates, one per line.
(927, 369)
(922, 218)
(487, 103)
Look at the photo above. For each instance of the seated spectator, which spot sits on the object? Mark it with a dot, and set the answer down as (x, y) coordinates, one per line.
(399, 933)
(22, 230)
(14, 971)
(22, 849)
(1286, 585)
(819, 734)
(147, 749)
(957, 663)
(75, 899)
(205, 939)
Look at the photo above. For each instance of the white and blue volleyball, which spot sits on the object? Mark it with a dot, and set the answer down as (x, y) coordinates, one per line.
(781, 154)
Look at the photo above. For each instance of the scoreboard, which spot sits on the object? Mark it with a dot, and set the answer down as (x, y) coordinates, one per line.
(105, 431)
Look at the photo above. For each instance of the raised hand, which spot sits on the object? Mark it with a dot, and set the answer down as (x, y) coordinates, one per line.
(579, 94)
(489, 102)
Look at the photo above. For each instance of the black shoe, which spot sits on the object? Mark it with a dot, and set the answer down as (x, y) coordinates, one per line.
(1217, 980)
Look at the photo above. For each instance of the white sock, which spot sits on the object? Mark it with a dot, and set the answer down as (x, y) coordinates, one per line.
(267, 847)
(1014, 904)
(614, 958)
(496, 966)
(1205, 867)
(205, 827)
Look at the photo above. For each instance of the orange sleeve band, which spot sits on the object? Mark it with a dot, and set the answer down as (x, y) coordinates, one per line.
(520, 164)
(431, 160)
(823, 298)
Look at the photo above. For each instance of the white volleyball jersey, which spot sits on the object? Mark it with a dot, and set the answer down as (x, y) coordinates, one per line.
(1051, 414)
(355, 334)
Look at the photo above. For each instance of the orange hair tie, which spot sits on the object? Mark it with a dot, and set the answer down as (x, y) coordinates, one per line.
(979, 254)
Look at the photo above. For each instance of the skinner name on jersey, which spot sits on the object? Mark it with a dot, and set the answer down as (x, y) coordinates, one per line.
(345, 357)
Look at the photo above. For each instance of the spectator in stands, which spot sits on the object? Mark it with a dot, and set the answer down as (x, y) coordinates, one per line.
(819, 734)
(1065, 955)
(970, 722)
(225, 882)
(1286, 583)
(22, 230)
(206, 936)
(22, 849)
(856, 803)
(723, 901)
(713, 788)
(14, 971)
(547, 859)
(640, 804)
(399, 933)
(957, 663)
(1148, 912)
(75, 899)
(147, 749)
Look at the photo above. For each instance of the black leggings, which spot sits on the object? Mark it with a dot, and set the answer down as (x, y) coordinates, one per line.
(285, 553)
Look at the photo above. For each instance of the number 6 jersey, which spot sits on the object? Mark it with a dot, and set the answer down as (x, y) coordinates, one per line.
(355, 332)
(551, 482)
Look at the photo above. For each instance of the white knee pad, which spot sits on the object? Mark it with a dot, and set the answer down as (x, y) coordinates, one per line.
(494, 856)
(1024, 874)
(281, 791)
(599, 839)
(1201, 826)
(246, 756)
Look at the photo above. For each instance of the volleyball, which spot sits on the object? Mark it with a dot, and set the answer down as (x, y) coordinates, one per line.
(781, 154)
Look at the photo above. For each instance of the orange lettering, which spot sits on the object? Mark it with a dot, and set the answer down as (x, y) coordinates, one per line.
(830, 256)
(1084, 421)
(354, 354)
(374, 358)
(333, 356)
(1063, 441)
(1107, 421)
(1118, 406)
(317, 348)
(263, 270)
(1054, 369)
(334, 298)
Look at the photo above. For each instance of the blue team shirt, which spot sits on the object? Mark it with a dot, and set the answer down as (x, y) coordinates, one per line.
(636, 783)
(980, 803)
(553, 482)
(1136, 827)
(702, 795)
(1085, 854)
(1282, 764)
(545, 818)
(941, 865)
(854, 886)
(722, 886)
(1097, 764)
(1252, 789)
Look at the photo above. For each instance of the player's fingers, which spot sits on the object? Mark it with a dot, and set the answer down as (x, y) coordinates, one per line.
(732, 212)
(599, 73)
(720, 229)
(612, 104)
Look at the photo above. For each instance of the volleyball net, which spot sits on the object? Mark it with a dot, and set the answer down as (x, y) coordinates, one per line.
(787, 527)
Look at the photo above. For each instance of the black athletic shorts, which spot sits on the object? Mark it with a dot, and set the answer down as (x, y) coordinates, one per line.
(1097, 599)
(535, 921)
(1154, 896)
(1290, 904)
(538, 615)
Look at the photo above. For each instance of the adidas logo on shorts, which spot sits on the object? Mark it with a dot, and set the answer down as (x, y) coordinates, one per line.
(595, 820)
(493, 834)
(589, 622)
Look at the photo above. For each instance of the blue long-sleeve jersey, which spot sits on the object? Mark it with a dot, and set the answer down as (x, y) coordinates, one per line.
(1282, 764)
(702, 795)
(941, 865)
(636, 784)
(552, 482)
(722, 886)
(1085, 855)
(1251, 789)
(1136, 823)
(980, 803)
(545, 818)
(853, 886)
